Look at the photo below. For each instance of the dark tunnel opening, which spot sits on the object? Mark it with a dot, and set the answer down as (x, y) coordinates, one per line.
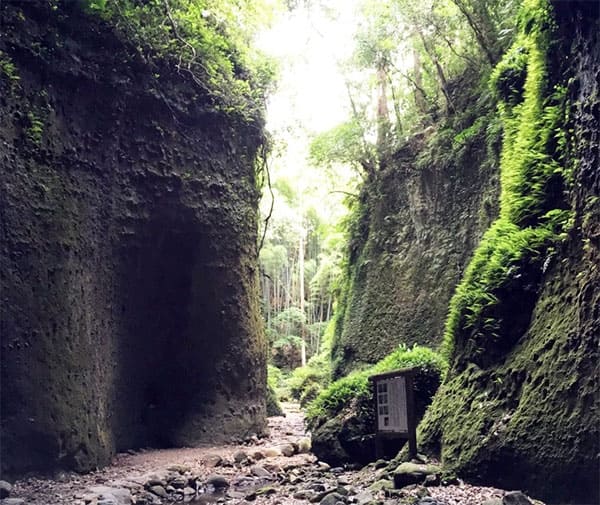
(163, 361)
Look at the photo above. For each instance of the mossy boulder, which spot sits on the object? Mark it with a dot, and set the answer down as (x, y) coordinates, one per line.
(273, 406)
(413, 473)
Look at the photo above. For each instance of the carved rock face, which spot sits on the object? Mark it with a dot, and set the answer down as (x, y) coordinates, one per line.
(129, 311)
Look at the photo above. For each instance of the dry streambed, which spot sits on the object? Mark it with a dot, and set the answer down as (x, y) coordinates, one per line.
(278, 469)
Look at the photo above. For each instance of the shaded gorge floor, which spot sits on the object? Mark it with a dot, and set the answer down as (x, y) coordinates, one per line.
(277, 469)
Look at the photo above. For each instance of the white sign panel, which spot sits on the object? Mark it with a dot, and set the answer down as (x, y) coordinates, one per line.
(392, 415)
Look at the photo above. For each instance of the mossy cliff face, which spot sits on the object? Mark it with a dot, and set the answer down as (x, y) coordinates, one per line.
(419, 220)
(129, 298)
(520, 406)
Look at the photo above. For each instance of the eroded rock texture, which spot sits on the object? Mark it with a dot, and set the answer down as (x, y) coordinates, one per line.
(530, 416)
(422, 215)
(129, 300)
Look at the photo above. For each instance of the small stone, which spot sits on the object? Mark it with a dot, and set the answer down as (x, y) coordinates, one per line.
(212, 460)
(188, 491)
(240, 457)
(380, 463)
(305, 494)
(259, 471)
(516, 498)
(147, 498)
(332, 499)
(323, 466)
(217, 481)
(287, 450)
(432, 479)
(266, 491)
(342, 490)
(112, 495)
(156, 480)
(179, 468)
(257, 455)
(304, 445)
(159, 491)
(5, 489)
(179, 482)
(13, 501)
(236, 495)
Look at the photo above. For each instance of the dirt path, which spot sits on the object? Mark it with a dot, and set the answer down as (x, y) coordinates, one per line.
(274, 470)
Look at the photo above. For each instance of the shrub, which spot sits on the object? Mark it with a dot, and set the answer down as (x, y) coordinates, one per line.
(354, 389)
(274, 380)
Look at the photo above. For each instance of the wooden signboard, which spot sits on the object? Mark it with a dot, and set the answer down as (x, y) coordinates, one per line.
(394, 409)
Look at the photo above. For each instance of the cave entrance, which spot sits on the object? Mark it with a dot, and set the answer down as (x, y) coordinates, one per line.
(160, 356)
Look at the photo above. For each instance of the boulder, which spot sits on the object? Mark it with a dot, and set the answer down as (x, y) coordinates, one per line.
(5, 489)
(217, 481)
(179, 468)
(159, 491)
(413, 473)
(332, 499)
(515, 498)
(112, 495)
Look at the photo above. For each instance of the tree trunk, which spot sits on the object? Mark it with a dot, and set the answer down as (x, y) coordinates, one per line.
(301, 290)
(481, 39)
(439, 71)
(420, 100)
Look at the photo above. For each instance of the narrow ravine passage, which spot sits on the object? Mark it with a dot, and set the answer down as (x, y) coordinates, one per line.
(276, 469)
(212, 206)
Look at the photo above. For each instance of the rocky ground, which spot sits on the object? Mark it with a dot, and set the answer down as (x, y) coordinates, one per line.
(278, 469)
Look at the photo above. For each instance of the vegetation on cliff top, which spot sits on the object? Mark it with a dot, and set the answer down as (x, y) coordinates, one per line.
(209, 41)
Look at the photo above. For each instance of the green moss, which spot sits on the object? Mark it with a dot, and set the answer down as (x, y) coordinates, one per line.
(8, 69)
(355, 388)
(520, 406)
(306, 382)
(273, 406)
(532, 219)
(35, 129)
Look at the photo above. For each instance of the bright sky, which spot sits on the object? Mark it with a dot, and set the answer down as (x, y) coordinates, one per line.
(308, 44)
(310, 98)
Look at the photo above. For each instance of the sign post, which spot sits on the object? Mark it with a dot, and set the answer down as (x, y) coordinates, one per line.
(395, 416)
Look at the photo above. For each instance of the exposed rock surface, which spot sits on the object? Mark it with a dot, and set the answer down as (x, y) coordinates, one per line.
(129, 300)
(421, 217)
(530, 417)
